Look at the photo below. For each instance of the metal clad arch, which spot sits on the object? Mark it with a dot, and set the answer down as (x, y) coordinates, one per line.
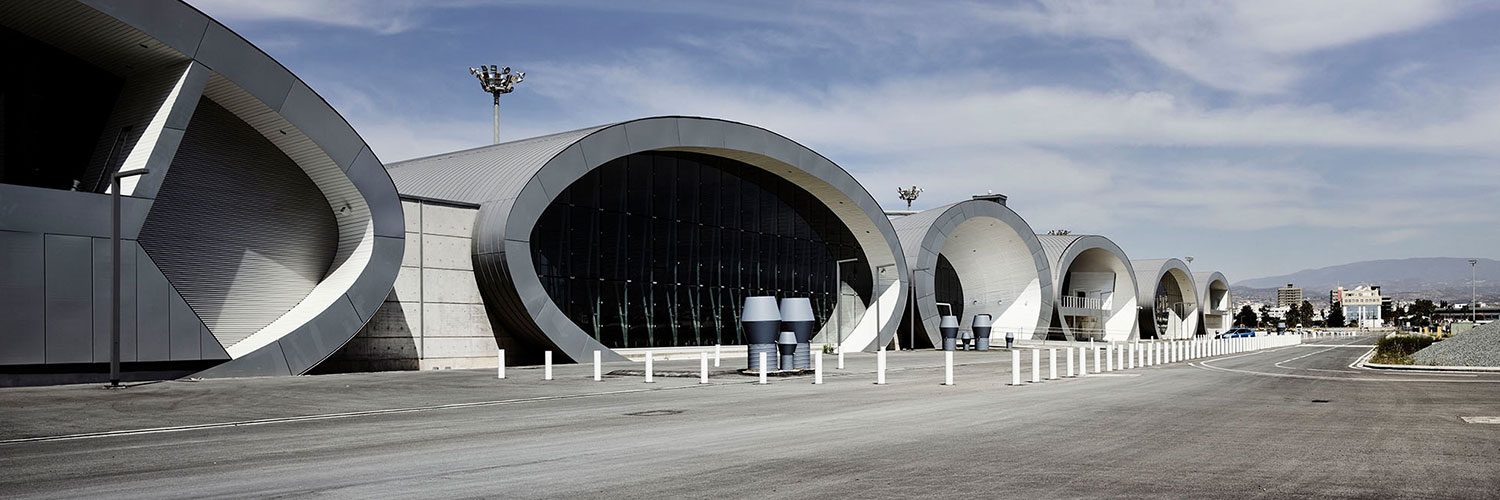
(1150, 272)
(1062, 250)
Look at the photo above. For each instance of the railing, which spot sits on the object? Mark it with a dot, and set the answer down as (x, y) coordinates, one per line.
(1081, 302)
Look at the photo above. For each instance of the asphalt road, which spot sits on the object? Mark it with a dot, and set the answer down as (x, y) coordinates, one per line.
(1293, 422)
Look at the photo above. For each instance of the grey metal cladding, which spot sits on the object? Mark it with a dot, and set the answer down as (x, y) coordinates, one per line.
(153, 297)
(308, 112)
(183, 331)
(229, 55)
(480, 174)
(700, 132)
(159, 163)
(369, 176)
(604, 145)
(103, 290)
(193, 82)
(70, 326)
(52, 211)
(570, 165)
(211, 348)
(22, 276)
(321, 337)
(175, 24)
(645, 135)
(262, 362)
(235, 201)
(372, 287)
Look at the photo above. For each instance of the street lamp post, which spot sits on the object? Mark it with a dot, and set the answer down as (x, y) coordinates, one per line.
(114, 299)
(838, 309)
(497, 81)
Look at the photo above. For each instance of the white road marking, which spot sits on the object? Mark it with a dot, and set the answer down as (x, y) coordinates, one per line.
(1482, 420)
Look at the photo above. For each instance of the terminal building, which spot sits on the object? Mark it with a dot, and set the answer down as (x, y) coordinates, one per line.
(1213, 298)
(261, 236)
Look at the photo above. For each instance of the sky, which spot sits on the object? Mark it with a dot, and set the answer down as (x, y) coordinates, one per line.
(1259, 137)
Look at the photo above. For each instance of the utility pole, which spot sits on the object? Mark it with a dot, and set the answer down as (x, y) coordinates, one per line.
(1473, 294)
(497, 81)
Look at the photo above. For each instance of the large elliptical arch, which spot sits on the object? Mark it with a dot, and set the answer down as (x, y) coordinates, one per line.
(1063, 251)
(514, 183)
(173, 58)
(1002, 243)
(1213, 301)
(1150, 274)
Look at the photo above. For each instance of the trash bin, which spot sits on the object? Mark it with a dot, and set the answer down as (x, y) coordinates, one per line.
(797, 317)
(948, 327)
(761, 320)
(982, 329)
(787, 344)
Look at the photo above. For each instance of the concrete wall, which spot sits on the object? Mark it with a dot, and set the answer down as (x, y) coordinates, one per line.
(434, 318)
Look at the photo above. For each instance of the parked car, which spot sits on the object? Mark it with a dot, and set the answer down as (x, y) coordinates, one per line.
(1235, 333)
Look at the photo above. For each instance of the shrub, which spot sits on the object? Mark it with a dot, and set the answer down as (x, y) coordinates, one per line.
(1397, 349)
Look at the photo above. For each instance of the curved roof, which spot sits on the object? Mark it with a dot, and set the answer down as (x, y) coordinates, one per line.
(1148, 274)
(1061, 249)
(209, 61)
(922, 238)
(515, 182)
(1205, 280)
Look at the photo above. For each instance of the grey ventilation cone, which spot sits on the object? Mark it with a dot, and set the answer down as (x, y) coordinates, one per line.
(787, 344)
(964, 336)
(982, 327)
(760, 319)
(948, 326)
(797, 317)
(1010, 339)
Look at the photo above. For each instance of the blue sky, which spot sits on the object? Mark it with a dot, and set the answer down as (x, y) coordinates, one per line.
(1261, 137)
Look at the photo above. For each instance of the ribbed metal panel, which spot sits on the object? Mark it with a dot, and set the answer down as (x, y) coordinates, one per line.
(481, 174)
(238, 228)
(84, 32)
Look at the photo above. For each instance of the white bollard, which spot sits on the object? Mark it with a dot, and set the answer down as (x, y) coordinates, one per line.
(650, 367)
(1052, 364)
(1083, 360)
(947, 367)
(818, 367)
(1036, 365)
(598, 372)
(763, 369)
(1069, 352)
(1109, 357)
(500, 372)
(841, 357)
(547, 368)
(880, 366)
(1130, 356)
(1095, 349)
(718, 351)
(1015, 367)
(703, 368)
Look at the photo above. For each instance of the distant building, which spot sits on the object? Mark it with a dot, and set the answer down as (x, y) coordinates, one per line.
(1277, 313)
(1288, 296)
(1361, 304)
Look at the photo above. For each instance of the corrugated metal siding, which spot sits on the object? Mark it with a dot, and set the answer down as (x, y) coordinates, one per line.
(238, 227)
(82, 31)
(482, 174)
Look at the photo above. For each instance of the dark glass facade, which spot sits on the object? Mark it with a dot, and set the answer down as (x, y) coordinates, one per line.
(660, 249)
(53, 108)
(947, 288)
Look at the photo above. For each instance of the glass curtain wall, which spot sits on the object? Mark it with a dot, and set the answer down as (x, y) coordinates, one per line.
(660, 249)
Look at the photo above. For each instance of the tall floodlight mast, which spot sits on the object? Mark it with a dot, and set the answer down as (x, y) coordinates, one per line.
(909, 195)
(497, 81)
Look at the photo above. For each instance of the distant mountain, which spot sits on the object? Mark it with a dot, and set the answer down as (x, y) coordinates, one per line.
(1445, 278)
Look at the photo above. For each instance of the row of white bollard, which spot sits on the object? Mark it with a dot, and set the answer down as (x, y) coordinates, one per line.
(1108, 357)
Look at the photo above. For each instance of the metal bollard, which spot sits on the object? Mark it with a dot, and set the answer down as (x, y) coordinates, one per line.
(500, 372)
(947, 367)
(818, 367)
(1052, 364)
(763, 370)
(547, 369)
(598, 372)
(650, 370)
(1015, 367)
(880, 366)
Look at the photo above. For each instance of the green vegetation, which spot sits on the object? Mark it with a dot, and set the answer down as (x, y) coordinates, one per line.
(1397, 349)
